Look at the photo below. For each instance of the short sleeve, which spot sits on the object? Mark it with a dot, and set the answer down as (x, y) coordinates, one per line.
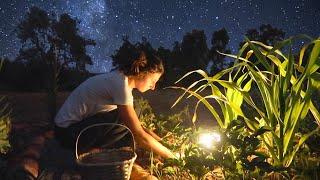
(120, 92)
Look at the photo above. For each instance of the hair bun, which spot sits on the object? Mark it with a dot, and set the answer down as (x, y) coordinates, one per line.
(139, 63)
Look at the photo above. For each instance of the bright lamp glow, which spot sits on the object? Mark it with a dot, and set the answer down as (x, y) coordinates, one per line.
(208, 139)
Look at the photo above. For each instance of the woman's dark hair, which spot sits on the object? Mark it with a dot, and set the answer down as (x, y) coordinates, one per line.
(135, 60)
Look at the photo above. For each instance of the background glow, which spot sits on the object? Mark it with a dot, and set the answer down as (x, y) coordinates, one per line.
(208, 139)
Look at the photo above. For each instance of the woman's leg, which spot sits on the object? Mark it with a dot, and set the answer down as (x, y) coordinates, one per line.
(97, 136)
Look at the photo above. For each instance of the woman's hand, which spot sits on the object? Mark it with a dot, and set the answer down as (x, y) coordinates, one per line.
(130, 119)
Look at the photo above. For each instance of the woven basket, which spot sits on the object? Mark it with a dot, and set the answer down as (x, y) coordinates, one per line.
(113, 164)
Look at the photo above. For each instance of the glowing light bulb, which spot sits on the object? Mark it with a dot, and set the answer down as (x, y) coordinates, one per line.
(208, 139)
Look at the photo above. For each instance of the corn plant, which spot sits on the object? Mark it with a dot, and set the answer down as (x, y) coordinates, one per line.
(285, 89)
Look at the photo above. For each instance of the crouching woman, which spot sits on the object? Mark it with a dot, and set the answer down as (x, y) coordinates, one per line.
(107, 98)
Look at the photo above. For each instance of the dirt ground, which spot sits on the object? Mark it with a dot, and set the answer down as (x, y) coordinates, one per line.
(28, 107)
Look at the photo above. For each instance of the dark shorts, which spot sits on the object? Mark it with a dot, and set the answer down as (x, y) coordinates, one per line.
(96, 136)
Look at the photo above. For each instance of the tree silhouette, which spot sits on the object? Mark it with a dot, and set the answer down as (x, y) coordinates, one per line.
(169, 66)
(219, 42)
(177, 58)
(267, 34)
(191, 54)
(72, 46)
(194, 51)
(270, 35)
(126, 53)
(55, 42)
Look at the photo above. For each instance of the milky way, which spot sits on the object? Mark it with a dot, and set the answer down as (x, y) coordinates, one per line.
(162, 22)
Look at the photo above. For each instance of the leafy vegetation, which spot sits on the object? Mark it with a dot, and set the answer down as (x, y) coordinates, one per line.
(266, 111)
(285, 88)
(258, 117)
(4, 124)
(4, 130)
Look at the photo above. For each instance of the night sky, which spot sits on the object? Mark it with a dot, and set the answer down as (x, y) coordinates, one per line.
(162, 21)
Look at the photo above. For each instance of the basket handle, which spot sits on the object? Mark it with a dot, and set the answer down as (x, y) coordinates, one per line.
(101, 124)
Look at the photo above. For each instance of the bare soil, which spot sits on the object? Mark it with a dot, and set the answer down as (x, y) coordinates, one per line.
(31, 107)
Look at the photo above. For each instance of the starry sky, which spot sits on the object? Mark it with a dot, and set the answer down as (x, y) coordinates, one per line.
(161, 21)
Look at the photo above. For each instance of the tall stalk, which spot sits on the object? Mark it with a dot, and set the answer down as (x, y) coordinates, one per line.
(285, 88)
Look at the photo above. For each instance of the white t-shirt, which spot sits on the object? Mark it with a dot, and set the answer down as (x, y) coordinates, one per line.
(97, 94)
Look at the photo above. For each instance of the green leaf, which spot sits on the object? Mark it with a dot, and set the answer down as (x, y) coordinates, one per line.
(314, 56)
(291, 155)
(185, 91)
(288, 136)
(261, 58)
(199, 71)
(315, 80)
(262, 130)
(206, 103)
(315, 113)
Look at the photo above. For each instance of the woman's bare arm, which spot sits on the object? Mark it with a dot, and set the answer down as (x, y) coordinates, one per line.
(130, 119)
(153, 134)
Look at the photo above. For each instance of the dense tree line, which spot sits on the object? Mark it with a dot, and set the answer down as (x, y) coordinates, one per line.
(31, 76)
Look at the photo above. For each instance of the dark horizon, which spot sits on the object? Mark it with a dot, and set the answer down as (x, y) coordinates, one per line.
(163, 23)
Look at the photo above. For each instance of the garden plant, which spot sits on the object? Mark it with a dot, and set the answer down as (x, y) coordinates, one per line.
(4, 130)
(259, 107)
